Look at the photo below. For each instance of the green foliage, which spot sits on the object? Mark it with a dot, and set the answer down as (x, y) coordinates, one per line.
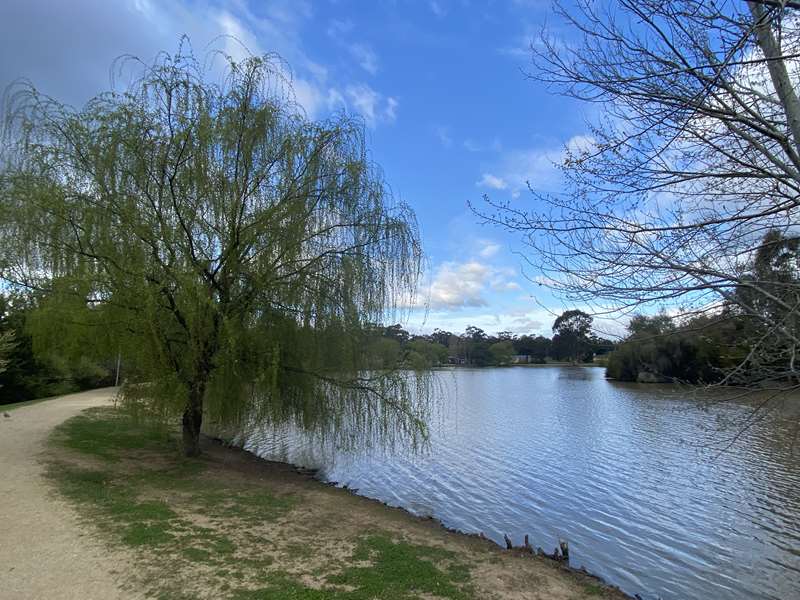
(233, 251)
(770, 288)
(538, 347)
(502, 352)
(571, 336)
(6, 348)
(697, 352)
(28, 374)
(736, 344)
(477, 348)
(423, 353)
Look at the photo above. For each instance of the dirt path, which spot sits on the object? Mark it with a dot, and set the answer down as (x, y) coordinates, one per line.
(44, 552)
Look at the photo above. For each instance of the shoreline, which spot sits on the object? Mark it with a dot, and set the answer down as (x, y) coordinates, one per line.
(232, 525)
(534, 553)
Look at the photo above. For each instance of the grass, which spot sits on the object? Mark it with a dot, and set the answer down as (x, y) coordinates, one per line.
(593, 589)
(194, 529)
(391, 570)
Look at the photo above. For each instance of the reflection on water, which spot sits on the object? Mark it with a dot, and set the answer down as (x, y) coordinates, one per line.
(624, 472)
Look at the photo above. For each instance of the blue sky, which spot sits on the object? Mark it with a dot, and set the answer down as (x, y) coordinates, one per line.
(440, 85)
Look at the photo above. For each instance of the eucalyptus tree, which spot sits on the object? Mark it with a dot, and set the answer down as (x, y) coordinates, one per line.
(691, 158)
(571, 329)
(229, 248)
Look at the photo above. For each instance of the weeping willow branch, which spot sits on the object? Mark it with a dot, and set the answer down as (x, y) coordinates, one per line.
(230, 247)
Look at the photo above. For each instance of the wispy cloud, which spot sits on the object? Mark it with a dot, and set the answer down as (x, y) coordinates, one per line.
(339, 27)
(489, 249)
(373, 106)
(364, 56)
(471, 145)
(537, 166)
(494, 182)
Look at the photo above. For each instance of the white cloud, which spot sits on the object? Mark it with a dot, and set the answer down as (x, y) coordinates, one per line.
(373, 106)
(365, 57)
(489, 249)
(457, 285)
(505, 286)
(581, 144)
(390, 111)
(537, 166)
(520, 49)
(310, 97)
(521, 322)
(492, 181)
(471, 145)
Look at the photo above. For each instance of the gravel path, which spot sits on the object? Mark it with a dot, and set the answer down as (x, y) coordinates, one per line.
(45, 553)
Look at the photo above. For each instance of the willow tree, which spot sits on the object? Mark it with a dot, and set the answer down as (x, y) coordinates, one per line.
(229, 248)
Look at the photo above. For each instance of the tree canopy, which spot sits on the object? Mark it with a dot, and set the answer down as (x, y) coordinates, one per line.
(571, 333)
(233, 251)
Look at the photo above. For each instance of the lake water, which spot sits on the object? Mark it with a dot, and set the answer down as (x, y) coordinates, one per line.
(631, 475)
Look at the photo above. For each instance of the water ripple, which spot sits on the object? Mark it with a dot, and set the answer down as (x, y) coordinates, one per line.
(627, 473)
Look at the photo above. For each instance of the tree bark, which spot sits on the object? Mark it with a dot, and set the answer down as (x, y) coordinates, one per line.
(777, 69)
(193, 421)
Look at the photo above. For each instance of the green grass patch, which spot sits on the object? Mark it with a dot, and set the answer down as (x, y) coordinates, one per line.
(593, 589)
(399, 570)
(107, 433)
(192, 526)
(393, 570)
(116, 505)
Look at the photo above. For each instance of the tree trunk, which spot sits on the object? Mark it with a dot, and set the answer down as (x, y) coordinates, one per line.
(778, 71)
(193, 421)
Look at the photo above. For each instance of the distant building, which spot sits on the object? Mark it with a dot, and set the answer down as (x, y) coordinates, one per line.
(520, 359)
(456, 360)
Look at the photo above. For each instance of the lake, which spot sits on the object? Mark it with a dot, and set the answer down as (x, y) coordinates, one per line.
(635, 477)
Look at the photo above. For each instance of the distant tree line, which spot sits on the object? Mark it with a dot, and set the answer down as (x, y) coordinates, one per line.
(572, 341)
(31, 368)
(724, 344)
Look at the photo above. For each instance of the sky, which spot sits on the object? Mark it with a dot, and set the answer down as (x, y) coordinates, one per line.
(441, 87)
